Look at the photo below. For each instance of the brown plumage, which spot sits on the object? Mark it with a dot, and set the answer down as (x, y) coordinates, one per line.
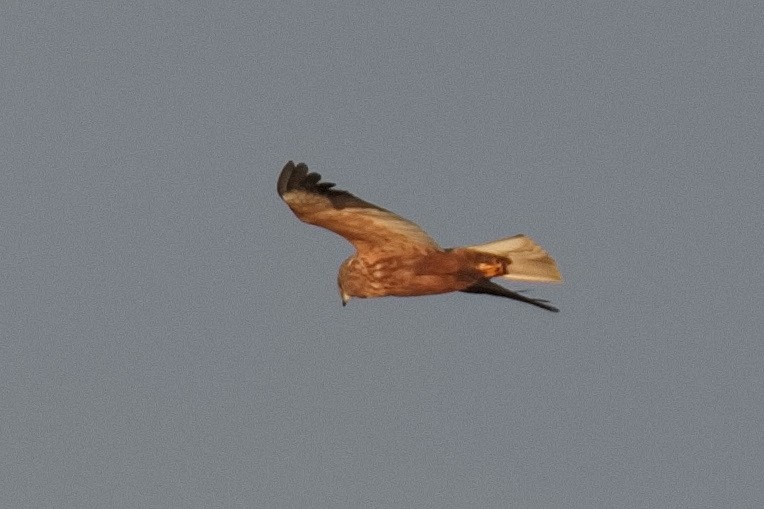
(396, 257)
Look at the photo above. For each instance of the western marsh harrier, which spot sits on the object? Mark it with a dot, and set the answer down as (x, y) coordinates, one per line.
(396, 257)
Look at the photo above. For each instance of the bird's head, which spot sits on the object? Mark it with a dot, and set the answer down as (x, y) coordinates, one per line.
(345, 298)
(342, 279)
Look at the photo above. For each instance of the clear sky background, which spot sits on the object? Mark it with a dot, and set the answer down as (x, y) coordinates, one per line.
(172, 336)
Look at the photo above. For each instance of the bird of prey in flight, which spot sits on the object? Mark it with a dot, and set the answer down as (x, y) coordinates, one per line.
(396, 257)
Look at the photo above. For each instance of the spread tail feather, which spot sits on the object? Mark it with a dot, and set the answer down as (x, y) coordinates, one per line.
(529, 262)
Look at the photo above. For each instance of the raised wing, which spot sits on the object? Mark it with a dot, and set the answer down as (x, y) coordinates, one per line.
(369, 228)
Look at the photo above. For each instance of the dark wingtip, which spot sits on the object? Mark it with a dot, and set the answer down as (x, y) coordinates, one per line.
(296, 176)
(286, 173)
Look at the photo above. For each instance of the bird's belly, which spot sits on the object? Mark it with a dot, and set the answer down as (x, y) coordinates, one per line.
(406, 283)
(409, 276)
(427, 285)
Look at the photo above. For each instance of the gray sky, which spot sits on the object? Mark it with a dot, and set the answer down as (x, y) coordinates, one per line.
(172, 335)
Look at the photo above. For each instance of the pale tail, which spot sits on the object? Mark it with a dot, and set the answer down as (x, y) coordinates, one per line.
(529, 261)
